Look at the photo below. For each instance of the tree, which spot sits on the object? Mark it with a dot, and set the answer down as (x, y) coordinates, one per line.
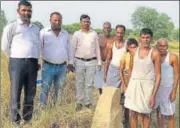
(72, 27)
(159, 23)
(99, 31)
(135, 34)
(3, 21)
(128, 32)
(175, 34)
(38, 24)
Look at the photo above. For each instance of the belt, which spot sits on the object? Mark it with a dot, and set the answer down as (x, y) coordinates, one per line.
(25, 58)
(103, 62)
(83, 59)
(54, 64)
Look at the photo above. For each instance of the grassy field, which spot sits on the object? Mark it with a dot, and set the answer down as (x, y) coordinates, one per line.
(63, 115)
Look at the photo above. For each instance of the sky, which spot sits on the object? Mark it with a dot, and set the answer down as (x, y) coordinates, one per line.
(116, 12)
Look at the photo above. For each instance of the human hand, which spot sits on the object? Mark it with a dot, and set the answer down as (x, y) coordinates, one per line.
(71, 68)
(105, 77)
(39, 66)
(99, 67)
(152, 101)
(172, 96)
(125, 88)
(122, 88)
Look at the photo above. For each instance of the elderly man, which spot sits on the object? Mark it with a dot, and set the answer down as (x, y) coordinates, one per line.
(56, 51)
(165, 99)
(103, 38)
(20, 42)
(87, 56)
(144, 82)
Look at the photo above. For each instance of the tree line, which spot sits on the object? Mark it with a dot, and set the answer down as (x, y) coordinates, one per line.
(160, 23)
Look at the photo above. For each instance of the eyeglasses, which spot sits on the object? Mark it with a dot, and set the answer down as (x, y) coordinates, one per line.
(131, 46)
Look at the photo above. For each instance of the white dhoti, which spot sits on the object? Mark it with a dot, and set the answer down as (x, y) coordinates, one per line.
(141, 84)
(166, 107)
(113, 77)
(138, 95)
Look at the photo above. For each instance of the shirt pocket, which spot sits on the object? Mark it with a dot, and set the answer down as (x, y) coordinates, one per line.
(93, 44)
(63, 40)
(19, 30)
(47, 41)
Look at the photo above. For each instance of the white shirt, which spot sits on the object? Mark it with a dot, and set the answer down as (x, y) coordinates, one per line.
(86, 45)
(56, 49)
(23, 42)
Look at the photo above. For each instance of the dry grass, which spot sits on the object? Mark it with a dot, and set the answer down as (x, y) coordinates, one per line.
(63, 115)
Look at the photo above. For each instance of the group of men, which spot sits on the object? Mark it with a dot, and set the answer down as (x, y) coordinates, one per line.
(146, 76)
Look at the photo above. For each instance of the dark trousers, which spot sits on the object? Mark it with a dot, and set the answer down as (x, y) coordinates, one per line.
(23, 73)
(125, 112)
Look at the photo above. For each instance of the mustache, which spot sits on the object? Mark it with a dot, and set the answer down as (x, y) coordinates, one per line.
(26, 17)
(56, 29)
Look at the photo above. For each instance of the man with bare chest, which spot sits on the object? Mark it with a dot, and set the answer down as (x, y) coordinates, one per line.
(99, 82)
(166, 95)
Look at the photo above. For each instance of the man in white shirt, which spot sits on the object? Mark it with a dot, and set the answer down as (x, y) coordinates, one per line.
(87, 56)
(20, 42)
(56, 50)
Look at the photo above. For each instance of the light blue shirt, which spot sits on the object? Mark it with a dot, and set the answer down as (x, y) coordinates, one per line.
(56, 49)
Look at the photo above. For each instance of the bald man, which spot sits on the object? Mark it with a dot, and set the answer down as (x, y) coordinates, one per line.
(165, 99)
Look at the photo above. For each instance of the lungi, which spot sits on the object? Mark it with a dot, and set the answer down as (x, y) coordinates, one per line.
(162, 101)
(113, 77)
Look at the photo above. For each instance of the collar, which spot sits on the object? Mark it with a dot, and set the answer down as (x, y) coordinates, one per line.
(60, 33)
(49, 29)
(90, 30)
(19, 21)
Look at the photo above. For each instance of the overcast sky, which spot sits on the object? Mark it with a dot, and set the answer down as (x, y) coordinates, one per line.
(117, 12)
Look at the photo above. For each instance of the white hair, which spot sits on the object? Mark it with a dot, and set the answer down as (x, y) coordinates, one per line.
(107, 22)
(162, 39)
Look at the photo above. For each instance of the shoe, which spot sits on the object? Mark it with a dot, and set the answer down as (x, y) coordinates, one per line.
(90, 106)
(27, 123)
(16, 124)
(79, 107)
